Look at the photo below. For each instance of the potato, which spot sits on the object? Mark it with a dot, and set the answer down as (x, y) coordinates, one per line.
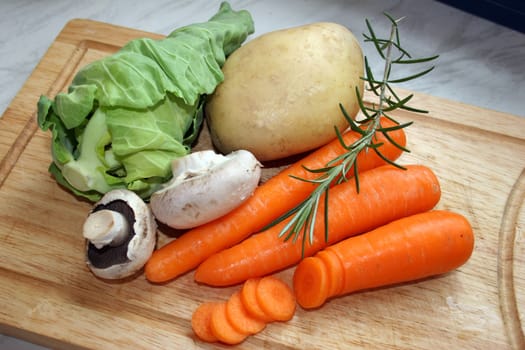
(281, 91)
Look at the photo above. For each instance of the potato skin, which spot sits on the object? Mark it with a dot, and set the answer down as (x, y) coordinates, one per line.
(282, 90)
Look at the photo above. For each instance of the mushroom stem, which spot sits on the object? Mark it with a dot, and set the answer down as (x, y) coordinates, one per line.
(106, 227)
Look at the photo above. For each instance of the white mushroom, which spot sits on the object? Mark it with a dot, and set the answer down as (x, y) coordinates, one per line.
(205, 186)
(121, 234)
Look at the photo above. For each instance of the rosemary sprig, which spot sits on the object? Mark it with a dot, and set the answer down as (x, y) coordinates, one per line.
(336, 171)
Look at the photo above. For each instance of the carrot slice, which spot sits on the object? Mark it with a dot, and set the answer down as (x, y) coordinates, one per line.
(311, 278)
(275, 298)
(249, 300)
(231, 322)
(239, 317)
(200, 322)
(334, 268)
(222, 328)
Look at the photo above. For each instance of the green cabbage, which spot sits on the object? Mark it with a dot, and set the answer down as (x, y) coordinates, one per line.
(127, 116)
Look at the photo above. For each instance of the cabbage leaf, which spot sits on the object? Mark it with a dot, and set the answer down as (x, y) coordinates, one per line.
(125, 117)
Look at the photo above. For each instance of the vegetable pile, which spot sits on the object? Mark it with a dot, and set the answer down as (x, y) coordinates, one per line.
(347, 216)
(387, 194)
(270, 200)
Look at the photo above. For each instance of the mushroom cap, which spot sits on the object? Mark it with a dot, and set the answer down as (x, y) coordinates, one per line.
(204, 187)
(116, 262)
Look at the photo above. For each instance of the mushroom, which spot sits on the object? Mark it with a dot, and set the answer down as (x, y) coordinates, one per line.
(120, 235)
(205, 186)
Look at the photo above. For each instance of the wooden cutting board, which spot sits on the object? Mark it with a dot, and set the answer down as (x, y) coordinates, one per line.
(48, 296)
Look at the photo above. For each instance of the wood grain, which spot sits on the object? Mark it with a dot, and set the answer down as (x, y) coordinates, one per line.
(48, 296)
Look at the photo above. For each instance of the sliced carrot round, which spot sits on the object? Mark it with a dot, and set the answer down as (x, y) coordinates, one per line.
(222, 328)
(275, 298)
(239, 317)
(310, 283)
(249, 300)
(200, 322)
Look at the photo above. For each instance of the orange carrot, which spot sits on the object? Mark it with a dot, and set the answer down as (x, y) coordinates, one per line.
(240, 318)
(411, 248)
(270, 200)
(249, 299)
(275, 298)
(200, 322)
(222, 328)
(386, 194)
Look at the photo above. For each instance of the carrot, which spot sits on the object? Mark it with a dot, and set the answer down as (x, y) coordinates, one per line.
(386, 194)
(270, 200)
(249, 299)
(222, 328)
(275, 298)
(200, 322)
(411, 248)
(240, 318)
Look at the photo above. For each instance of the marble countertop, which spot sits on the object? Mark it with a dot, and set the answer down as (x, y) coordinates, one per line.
(481, 63)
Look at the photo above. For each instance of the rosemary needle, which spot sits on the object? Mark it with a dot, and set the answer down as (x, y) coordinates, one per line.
(303, 216)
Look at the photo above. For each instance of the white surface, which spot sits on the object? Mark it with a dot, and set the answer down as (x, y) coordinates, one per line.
(480, 63)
